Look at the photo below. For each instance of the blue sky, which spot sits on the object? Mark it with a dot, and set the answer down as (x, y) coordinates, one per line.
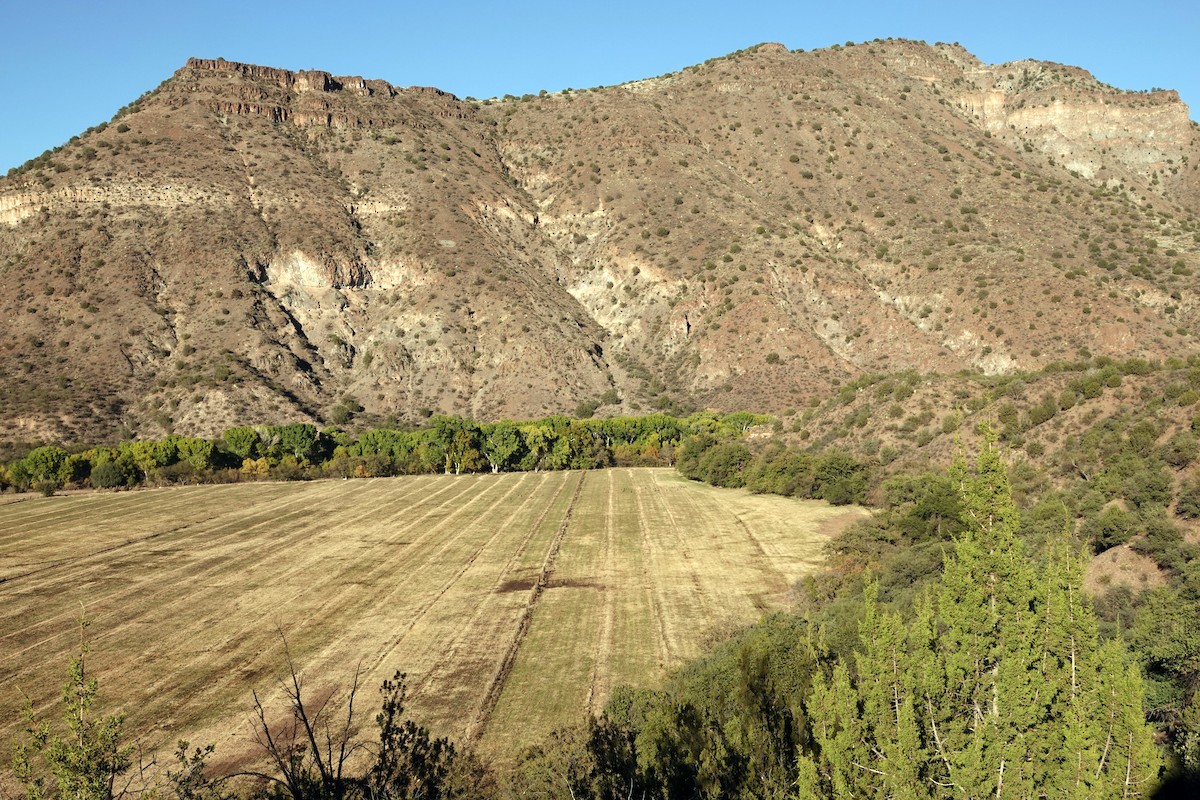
(67, 65)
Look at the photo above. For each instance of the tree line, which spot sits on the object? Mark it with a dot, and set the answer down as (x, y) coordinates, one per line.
(832, 475)
(448, 444)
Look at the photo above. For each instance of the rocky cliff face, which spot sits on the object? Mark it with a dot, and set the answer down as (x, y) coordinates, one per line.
(309, 97)
(1100, 133)
(251, 244)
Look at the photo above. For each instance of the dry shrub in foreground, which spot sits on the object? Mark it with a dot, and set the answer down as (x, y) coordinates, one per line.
(314, 755)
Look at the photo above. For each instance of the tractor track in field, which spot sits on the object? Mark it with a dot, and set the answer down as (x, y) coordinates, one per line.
(492, 696)
(162, 593)
(667, 647)
(764, 561)
(103, 551)
(424, 608)
(250, 634)
(114, 508)
(602, 645)
(469, 620)
(686, 551)
(265, 516)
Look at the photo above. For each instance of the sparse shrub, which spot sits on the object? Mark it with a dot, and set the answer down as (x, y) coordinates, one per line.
(1043, 411)
(1163, 542)
(1180, 450)
(1148, 487)
(1188, 504)
(1112, 527)
(586, 408)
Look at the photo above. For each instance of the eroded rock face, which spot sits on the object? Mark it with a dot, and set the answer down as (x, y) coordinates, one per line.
(307, 98)
(303, 271)
(249, 244)
(1086, 126)
(76, 199)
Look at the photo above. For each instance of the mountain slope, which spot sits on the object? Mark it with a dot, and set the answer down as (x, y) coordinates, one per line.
(250, 244)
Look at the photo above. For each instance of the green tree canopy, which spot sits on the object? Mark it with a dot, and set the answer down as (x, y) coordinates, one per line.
(502, 445)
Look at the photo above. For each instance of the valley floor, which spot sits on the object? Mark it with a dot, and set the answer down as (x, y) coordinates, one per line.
(513, 602)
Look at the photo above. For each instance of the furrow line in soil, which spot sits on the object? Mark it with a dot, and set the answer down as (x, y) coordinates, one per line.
(247, 629)
(61, 510)
(53, 584)
(144, 508)
(492, 696)
(602, 645)
(668, 648)
(450, 659)
(686, 550)
(14, 580)
(416, 560)
(247, 626)
(392, 565)
(397, 639)
(764, 563)
(296, 525)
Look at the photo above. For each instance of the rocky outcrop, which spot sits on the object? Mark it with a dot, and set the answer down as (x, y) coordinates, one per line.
(1066, 114)
(311, 97)
(273, 113)
(282, 77)
(301, 271)
(309, 80)
(18, 206)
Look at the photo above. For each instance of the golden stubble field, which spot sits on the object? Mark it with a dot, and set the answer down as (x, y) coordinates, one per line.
(513, 602)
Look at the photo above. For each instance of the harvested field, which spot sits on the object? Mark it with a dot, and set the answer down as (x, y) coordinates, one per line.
(514, 602)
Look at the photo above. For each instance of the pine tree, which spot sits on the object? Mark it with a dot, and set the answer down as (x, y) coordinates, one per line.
(867, 726)
(997, 687)
(85, 763)
(983, 648)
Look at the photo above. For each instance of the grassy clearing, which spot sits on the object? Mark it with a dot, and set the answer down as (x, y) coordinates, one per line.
(513, 602)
